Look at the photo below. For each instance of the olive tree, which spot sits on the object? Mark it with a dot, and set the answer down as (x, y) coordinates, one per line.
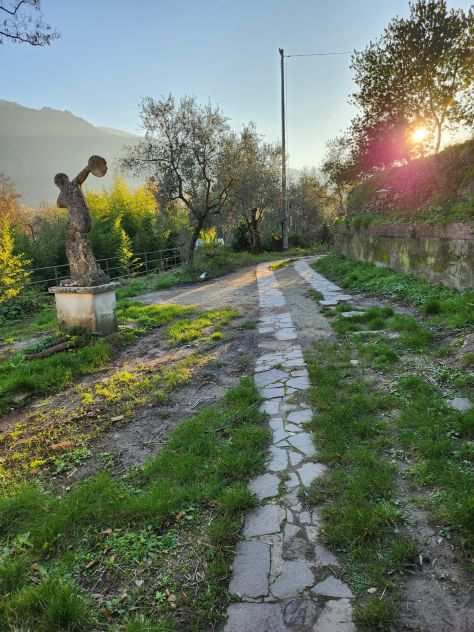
(256, 186)
(189, 152)
(420, 72)
(21, 22)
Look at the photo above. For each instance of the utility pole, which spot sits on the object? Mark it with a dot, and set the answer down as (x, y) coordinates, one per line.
(284, 203)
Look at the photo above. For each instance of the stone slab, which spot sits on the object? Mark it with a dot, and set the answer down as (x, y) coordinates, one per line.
(304, 443)
(272, 393)
(336, 617)
(296, 576)
(462, 404)
(263, 521)
(278, 459)
(251, 570)
(308, 472)
(300, 383)
(261, 617)
(269, 377)
(271, 407)
(300, 416)
(333, 587)
(265, 486)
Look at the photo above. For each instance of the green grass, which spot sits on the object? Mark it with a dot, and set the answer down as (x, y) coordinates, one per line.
(22, 376)
(316, 295)
(281, 264)
(189, 329)
(444, 306)
(440, 442)
(47, 375)
(413, 335)
(150, 316)
(43, 321)
(55, 439)
(362, 518)
(139, 537)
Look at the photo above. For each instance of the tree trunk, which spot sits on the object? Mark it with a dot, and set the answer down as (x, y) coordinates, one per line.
(194, 238)
(438, 137)
(255, 240)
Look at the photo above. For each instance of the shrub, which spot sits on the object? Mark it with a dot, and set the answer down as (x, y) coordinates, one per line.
(13, 274)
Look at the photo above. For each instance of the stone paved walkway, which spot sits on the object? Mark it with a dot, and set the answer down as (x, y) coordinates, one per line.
(284, 579)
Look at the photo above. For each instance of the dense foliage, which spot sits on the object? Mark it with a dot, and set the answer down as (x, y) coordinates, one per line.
(439, 188)
(413, 83)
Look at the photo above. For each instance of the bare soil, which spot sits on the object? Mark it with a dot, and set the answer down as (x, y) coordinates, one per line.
(129, 442)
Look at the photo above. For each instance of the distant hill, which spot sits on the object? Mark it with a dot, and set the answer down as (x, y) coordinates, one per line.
(37, 144)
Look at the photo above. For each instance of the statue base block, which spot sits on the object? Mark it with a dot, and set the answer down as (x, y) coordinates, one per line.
(92, 308)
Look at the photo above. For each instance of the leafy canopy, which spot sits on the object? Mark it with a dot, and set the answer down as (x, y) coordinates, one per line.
(419, 72)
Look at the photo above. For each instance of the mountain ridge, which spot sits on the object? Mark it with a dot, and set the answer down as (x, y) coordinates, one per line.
(35, 144)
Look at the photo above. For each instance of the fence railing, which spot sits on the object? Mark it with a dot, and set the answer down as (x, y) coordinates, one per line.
(114, 267)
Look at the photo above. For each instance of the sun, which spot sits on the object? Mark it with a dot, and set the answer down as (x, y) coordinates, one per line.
(419, 134)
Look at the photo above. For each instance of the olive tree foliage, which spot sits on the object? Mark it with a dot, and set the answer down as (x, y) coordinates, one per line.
(189, 152)
(419, 72)
(339, 170)
(310, 205)
(256, 185)
(21, 22)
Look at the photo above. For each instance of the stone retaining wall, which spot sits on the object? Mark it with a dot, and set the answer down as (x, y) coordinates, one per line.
(439, 253)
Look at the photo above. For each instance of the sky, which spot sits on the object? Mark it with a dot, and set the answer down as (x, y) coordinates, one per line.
(112, 53)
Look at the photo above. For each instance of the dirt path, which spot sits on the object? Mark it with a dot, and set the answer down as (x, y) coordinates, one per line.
(237, 290)
(140, 431)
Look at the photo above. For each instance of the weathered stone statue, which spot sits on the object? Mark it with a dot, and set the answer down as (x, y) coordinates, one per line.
(85, 271)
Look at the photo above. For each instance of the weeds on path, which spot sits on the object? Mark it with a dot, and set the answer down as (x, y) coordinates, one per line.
(358, 495)
(443, 306)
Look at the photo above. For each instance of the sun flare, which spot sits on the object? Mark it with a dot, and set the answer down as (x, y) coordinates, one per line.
(419, 134)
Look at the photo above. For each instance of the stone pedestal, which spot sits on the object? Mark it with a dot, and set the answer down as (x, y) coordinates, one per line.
(92, 308)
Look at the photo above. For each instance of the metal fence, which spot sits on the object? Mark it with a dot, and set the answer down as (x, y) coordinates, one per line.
(114, 267)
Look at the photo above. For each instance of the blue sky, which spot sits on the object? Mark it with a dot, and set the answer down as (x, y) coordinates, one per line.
(113, 52)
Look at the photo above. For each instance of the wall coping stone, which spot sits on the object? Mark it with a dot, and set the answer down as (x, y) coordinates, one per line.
(417, 230)
(76, 289)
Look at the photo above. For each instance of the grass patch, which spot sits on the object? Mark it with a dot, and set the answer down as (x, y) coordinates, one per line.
(203, 327)
(359, 506)
(316, 295)
(379, 353)
(124, 553)
(56, 440)
(439, 439)
(444, 306)
(281, 264)
(412, 334)
(43, 321)
(19, 375)
(150, 316)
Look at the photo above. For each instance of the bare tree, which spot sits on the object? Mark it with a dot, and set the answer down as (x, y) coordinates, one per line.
(257, 182)
(189, 151)
(21, 22)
